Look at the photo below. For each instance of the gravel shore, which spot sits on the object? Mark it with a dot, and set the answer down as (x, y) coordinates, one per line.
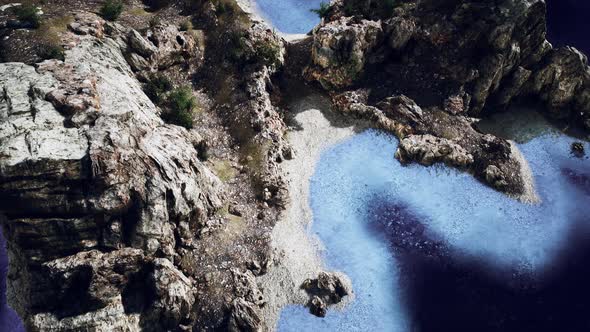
(296, 251)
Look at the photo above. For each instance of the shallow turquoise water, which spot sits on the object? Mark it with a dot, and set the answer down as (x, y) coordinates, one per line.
(290, 17)
(470, 218)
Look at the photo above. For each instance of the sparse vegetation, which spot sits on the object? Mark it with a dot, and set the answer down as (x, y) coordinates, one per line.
(111, 10)
(323, 11)
(181, 104)
(267, 53)
(28, 14)
(224, 170)
(157, 87)
(223, 7)
(186, 25)
(264, 52)
(51, 51)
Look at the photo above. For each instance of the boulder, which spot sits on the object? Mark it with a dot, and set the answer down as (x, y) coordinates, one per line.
(340, 49)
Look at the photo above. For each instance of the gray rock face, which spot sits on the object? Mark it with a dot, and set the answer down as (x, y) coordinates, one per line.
(428, 149)
(340, 49)
(94, 186)
(327, 289)
(563, 83)
(162, 46)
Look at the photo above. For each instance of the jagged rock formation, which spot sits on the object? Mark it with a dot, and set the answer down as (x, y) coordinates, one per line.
(433, 135)
(457, 60)
(98, 193)
(340, 49)
(479, 55)
(327, 289)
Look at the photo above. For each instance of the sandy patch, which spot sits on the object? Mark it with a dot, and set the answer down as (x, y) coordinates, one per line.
(296, 251)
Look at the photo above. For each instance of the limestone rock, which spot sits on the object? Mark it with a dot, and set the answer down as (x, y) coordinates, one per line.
(340, 50)
(93, 183)
(427, 149)
(433, 135)
(327, 289)
(563, 82)
(443, 53)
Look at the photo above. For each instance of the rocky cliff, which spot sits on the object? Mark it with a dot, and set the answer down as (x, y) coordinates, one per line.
(458, 60)
(98, 192)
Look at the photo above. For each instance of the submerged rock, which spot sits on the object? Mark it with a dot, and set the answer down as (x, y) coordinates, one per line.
(578, 149)
(327, 289)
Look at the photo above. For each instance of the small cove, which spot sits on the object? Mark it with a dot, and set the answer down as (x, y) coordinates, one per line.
(290, 17)
(389, 227)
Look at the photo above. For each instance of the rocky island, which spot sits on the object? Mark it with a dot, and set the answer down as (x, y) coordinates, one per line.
(241, 165)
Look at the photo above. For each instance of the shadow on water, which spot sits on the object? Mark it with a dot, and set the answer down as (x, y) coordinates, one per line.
(568, 24)
(446, 291)
(9, 320)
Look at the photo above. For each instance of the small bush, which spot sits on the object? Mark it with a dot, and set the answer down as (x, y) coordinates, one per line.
(186, 25)
(28, 14)
(181, 104)
(157, 87)
(267, 53)
(111, 10)
(202, 150)
(51, 51)
(223, 7)
(387, 7)
(323, 11)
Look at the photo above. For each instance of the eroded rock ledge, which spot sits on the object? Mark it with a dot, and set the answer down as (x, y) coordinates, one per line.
(98, 193)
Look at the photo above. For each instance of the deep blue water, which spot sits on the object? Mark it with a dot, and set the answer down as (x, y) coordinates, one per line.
(569, 23)
(432, 249)
(290, 17)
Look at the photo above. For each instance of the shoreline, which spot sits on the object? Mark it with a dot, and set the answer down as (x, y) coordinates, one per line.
(251, 8)
(296, 252)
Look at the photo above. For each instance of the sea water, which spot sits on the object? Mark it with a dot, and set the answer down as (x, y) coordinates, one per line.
(469, 219)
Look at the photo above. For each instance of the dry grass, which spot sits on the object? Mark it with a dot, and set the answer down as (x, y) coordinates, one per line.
(223, 169)
(52, 28)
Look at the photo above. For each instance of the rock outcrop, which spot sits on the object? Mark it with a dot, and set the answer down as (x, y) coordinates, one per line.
(455, 61)
(96, 190)
(432, 135)
(479, 57)
(327, 289)
(340, 50)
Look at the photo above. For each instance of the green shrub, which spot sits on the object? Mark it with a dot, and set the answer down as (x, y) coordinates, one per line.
(222, 7)
(181, 104)
(267, 53)
(323, 11)
(186, 25)
(51, 51)
(157, 87)
(29, 14)
(111, 9)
